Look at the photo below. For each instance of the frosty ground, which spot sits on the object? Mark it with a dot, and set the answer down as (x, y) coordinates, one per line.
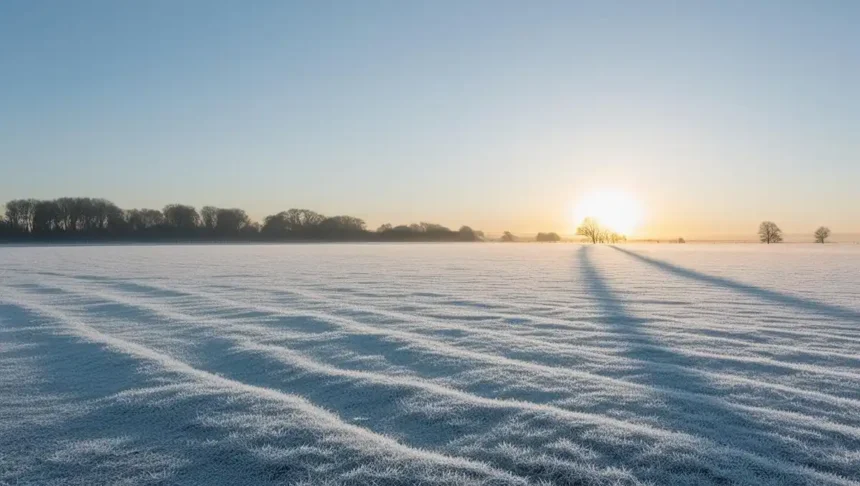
(430, 364)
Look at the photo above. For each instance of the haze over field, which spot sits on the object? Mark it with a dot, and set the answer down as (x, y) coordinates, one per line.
(430, 364)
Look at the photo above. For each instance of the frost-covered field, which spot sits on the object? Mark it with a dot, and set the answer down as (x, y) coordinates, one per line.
(437, 364)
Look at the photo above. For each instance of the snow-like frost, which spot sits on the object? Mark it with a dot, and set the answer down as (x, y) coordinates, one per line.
(430, 364)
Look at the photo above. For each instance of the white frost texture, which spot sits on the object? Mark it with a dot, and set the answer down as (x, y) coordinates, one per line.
(429, 364)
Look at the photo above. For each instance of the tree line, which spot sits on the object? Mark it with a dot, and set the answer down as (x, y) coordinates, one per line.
(88, 219)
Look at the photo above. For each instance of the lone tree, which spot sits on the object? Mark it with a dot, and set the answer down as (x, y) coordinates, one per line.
(822, 234)
(508, 237)
(769, 232)
(591, 229)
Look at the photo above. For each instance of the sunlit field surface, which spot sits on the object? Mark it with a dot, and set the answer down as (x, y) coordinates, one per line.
(430, 364)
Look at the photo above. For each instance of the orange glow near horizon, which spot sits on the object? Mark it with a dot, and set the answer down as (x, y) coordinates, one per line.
(616, 210)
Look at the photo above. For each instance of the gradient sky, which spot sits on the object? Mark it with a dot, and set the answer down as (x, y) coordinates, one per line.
(498, 114)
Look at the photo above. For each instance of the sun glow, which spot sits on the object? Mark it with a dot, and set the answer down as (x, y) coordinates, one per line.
(615, 210)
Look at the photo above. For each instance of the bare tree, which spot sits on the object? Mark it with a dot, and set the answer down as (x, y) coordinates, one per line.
(822, 234)
(20, 213)
(209, 217)
(613, 237)
(68, 214)
(590, 228)
(769, 232)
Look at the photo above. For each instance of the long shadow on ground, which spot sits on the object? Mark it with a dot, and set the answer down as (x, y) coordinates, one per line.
(758, 292)
(774, 452)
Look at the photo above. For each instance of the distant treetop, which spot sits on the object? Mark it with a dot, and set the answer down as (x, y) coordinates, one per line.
(547, 237)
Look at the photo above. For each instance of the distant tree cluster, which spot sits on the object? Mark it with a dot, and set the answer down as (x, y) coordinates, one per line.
(596, 233)
(427, 232)
(548, 237)
(769, 232)
(84, 219)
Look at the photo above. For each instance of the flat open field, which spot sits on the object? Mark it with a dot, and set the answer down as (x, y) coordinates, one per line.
(430, 364)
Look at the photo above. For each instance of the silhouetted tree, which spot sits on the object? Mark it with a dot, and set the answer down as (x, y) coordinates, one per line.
(508, 237)
(681, 240)
(821, 234)
(209, 217)
(251, 230)
(303, 221)
(348, 223)
(433, 228)
(144, 220)
(86, 214)
(69, 209)
(590, 228)
(107, 216)
(769, 232)
(293, 222)
(276, 225)
(548, 237)
(467, 234)
(425, 231)
(46, 217)
(342, 226)
(230, 222)
(20, 213)
(181, 218)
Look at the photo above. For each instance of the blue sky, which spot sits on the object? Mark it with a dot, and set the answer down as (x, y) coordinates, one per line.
(715, 115)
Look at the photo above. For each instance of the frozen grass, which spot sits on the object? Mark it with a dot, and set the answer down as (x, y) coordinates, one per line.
(430, 364)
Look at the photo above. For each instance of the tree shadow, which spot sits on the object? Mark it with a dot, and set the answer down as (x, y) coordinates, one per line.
(801, 303)
(733, 446)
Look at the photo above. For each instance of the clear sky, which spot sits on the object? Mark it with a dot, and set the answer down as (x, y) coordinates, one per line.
(499, 114)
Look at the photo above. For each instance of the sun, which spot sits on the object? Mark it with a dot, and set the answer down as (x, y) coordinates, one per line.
(613, 209)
